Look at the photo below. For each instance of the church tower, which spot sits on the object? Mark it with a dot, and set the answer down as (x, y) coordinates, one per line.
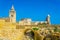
(48, 19)
(12, 15)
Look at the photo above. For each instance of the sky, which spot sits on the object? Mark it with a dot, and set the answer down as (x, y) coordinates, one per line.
(37, 10)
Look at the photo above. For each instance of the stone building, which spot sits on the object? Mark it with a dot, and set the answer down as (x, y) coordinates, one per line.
(12, 15)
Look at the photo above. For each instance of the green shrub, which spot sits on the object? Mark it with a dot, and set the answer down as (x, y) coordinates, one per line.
(35, 28)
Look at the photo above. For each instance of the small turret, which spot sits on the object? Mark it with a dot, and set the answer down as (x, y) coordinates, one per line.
(12, 9)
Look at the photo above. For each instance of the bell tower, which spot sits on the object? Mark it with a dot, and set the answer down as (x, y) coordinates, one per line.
(48, 19)
(12, 15)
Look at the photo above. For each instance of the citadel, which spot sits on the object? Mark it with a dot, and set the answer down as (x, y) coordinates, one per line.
(26, 29)
(25, 21)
